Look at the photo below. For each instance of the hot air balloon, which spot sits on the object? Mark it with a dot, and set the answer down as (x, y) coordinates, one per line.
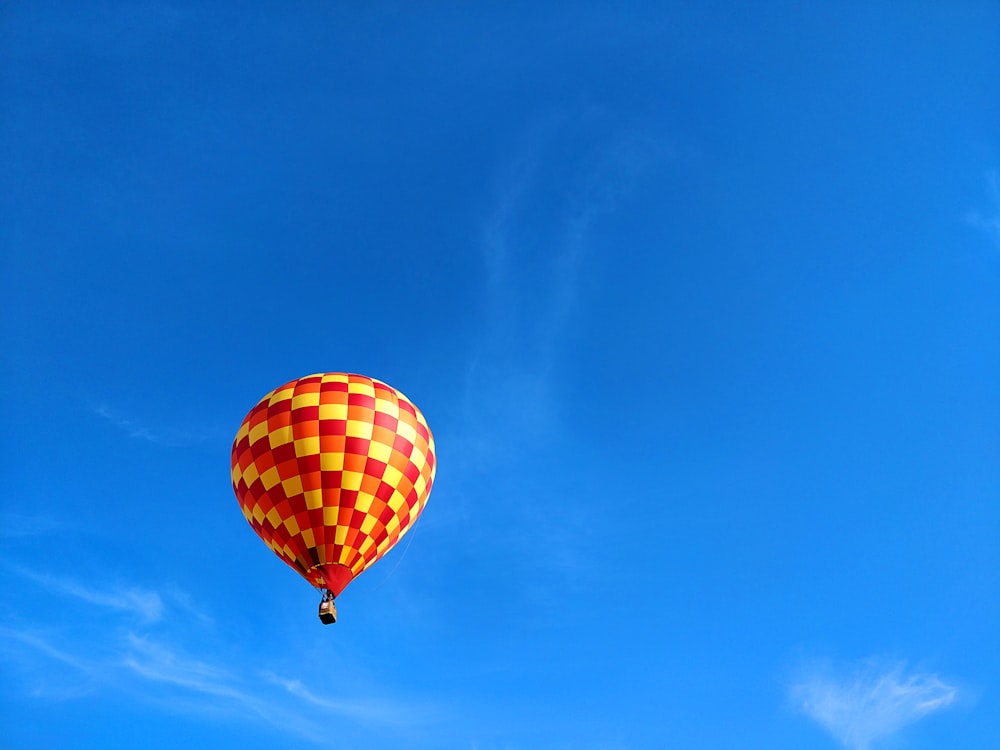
(331, 470)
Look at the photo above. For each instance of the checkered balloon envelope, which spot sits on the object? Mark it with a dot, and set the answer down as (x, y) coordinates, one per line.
(331, 470)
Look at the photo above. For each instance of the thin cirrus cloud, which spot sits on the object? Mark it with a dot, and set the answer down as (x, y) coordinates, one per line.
(610, 171)
(177, 670)
(375, 711)
(197, 685)
(147, 604)
(989, 222)
(26, 655)
(169, 438)
(869, 701)
(41, 645)
(287, 704)
(509, 376)
(534, 274)
(23, 526)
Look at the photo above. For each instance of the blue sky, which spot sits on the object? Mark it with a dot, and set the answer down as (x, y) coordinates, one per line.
(700, 300)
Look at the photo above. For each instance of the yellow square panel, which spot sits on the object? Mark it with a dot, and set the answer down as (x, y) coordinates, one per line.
(305, 399)
(330, 516)
(308, 446)
(364, 502)
(274, 518)
(292, 487)
(356, 428)
(341, 535)
(386, 406)
(397, 501)
(360, 387)
(314, 499)
(258, 432)
(282, 394)
(270, 478)
(351, 480)
(333, 411)
(392, 475)
(249, 476)
(280, 436)
(331, 461)
(258, 514)
(308, 537)
(380, 451)
(292, 525)
(368, 524)
(407, 431)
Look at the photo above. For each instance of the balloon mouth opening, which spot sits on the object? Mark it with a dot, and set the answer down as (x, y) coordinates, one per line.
(332, 577)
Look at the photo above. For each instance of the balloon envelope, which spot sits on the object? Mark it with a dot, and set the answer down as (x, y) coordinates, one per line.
(331, 470)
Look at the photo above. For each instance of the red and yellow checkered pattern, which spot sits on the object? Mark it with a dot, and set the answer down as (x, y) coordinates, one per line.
(331, 470)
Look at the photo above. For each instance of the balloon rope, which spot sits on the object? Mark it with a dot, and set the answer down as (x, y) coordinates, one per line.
(405, 550)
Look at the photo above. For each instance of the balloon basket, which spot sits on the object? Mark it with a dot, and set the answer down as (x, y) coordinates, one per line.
(327, 609)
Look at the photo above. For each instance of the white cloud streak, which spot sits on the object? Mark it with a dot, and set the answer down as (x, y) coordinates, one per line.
(989, 222)
(147, 604)
(382, 712)
(219, 691)
(300, 711)
(869, 702)
(129, 426)
(41, 645)
(75, 676)
(160, 664)
(535, 264)
(178, 670)
(169, 438)
(21, 526)
(509, 377)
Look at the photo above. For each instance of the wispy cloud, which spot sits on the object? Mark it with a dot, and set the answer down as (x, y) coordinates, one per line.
(147, 604)
(19, 525)
(297, 709)
(380, 711)
(867, 702)
(129, 426)
(23, 648)
(536, 247)
(218, 690)
(533, 263)
(168, 437)
(183, 601)
(176, 664)
(156, 662)
(989, 221)
(43, 646)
